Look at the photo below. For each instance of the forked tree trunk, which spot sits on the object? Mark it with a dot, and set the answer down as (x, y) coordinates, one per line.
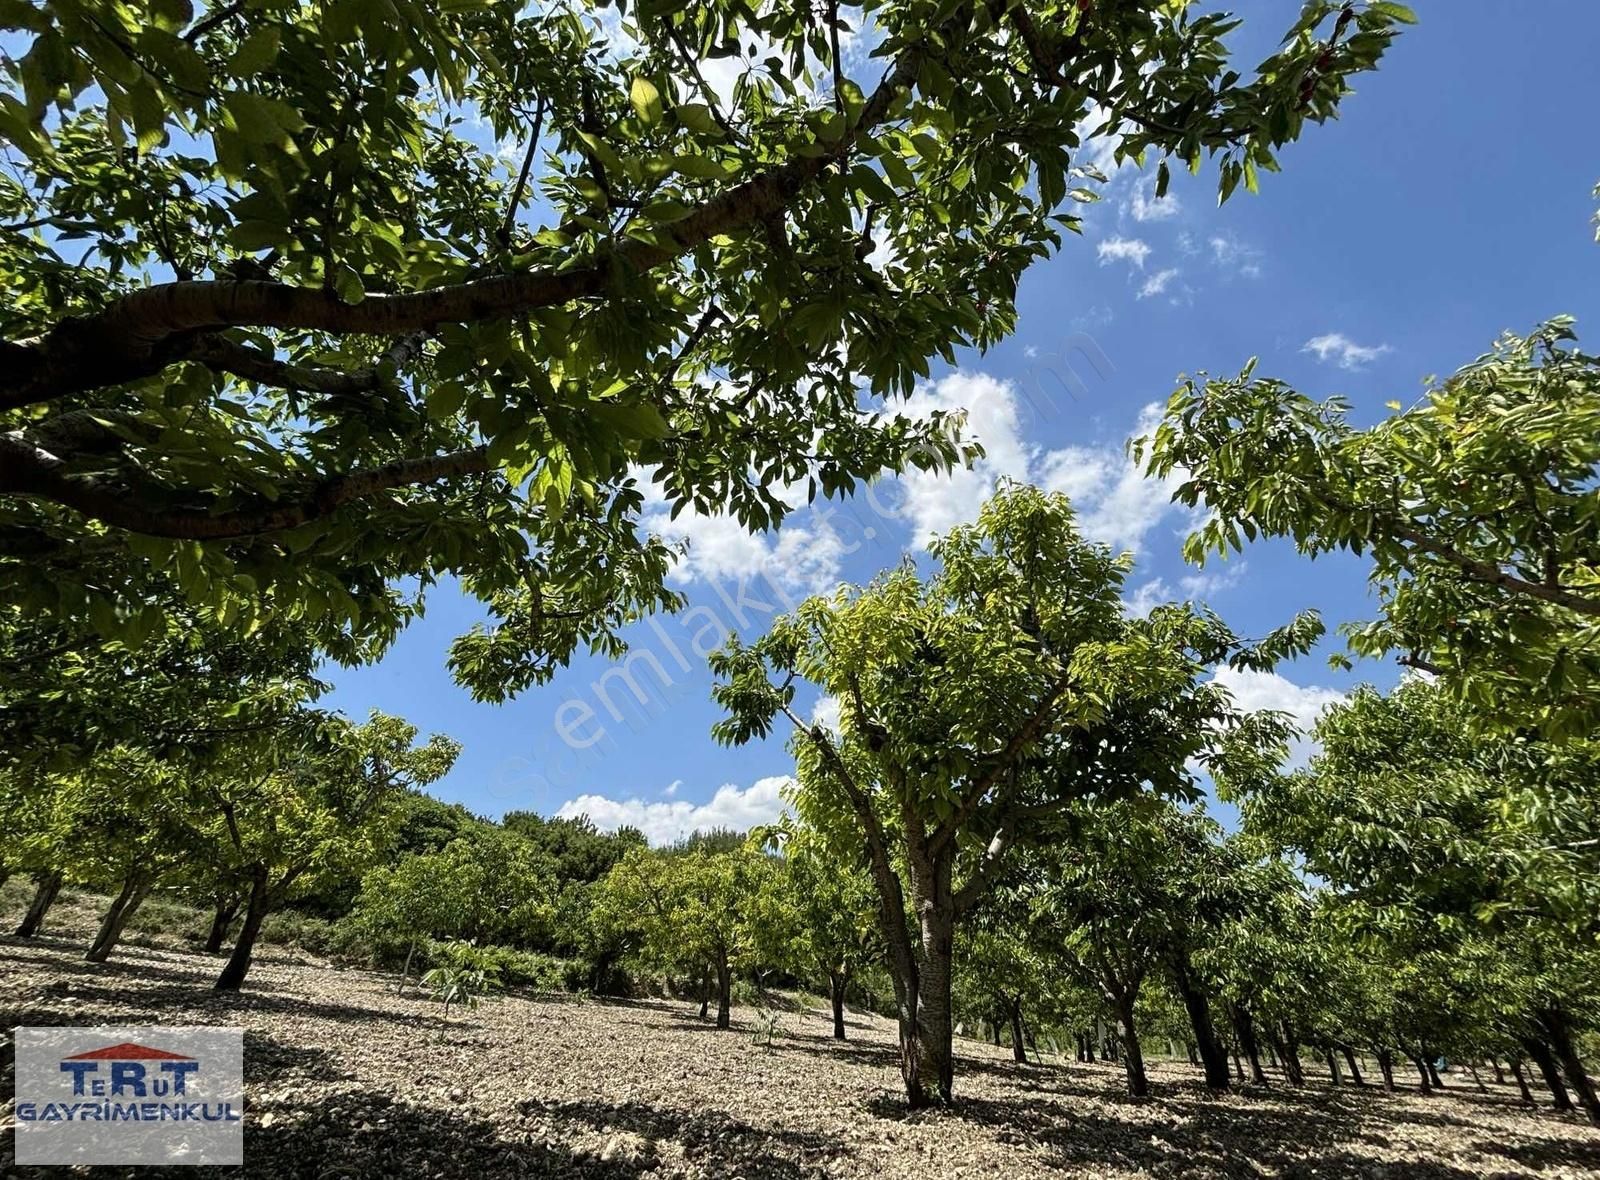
(1499, 1074)
(1422, 1073)
(1545, 1060)
(222, 916)
(1386, 1067)
(1244, 1027)
(46, 887)
(837, 982)
(1289, 1057)
(1476, 1080)
(135, 888)
(1559, 1029)
(1132, 1053)
(238, 964)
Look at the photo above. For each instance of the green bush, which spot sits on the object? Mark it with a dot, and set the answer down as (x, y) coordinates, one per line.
(291, 928)
(528, 969)
(162, 915)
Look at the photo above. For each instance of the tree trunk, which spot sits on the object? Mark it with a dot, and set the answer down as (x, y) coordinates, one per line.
(405, 968)
(1132, 1054)
(1476, 1080)
(934, 1026)
(1522, 1081)
(1198, 1006)
(837, 982)
(1545, 1060)
(1350, 1060)
(1559, 1029)
(1289, 1057)
(135, 888)
(1386, 1067)
(1019, 1048)
(724, 994)
(47, 885)
(238, 964)
(1433, 1070)
(227, 908)
(1499, 1074)
(1422, 1072)
(1333, 1067)
(1238, 1066)
(1244, 1026)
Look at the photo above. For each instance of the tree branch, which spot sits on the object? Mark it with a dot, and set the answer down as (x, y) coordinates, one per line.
(142, 332)
(252, 364)
(157, 512)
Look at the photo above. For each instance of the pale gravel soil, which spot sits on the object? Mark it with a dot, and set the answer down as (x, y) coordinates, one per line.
(345, 1079)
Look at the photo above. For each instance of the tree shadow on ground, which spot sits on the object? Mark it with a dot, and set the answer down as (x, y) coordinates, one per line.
(122, 1001)
(1178, 1132)
(711, 1139)
(859, 1052)
(364, 1134)
(1542, 1154)
(267, 1060)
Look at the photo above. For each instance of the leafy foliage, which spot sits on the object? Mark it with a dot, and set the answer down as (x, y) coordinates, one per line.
(278, 332)
(1477, 507)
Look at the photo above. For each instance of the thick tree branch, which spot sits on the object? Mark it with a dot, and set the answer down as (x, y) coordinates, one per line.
(1003, 761)
(158, 512)
(252, 364)
(142, 332)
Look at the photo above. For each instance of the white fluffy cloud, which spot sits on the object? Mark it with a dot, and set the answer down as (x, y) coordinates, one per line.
(1268, 690)
(1158, 283)
(1115, 502)
(800, 558)
(1230, 253)
(1343, 351)
(1143, 206)
(1129, 250)
(664, 822)
(1191, 587)
(826, 713)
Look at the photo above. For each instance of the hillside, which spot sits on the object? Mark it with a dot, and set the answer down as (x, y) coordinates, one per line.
(347, 1080)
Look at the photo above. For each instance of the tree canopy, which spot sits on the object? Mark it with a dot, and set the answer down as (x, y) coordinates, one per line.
(277, 325)
(1476, 505)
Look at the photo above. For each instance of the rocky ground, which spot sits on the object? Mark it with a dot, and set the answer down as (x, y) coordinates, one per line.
(345, 1079)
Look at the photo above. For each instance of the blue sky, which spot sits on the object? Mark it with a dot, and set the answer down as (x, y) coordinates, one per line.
(1451, 202)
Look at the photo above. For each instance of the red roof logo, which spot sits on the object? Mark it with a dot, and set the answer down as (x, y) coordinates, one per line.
(128, 1051)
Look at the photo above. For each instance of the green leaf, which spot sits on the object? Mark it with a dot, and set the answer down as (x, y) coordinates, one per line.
(262, 120)
(347, 283)
(639, 420)
(258, 51)
(646, 100)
